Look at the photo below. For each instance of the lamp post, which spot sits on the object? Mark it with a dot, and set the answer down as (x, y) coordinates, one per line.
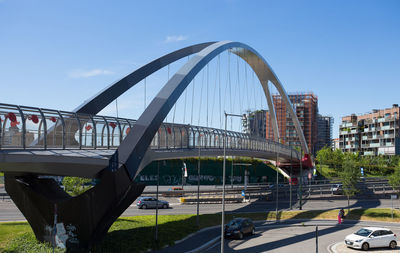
(198, 187)
(158, 183)
(277, 184)
(301, 179)
(290, 185)
(223, 180)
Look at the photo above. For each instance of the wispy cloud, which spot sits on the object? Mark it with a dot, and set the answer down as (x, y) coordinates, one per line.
(175, 38)
(88, 73)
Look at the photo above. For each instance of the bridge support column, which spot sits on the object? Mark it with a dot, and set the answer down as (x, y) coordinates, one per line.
(82, 221)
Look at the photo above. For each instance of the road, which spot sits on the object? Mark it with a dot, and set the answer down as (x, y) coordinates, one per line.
(297, 238)
(9, 212)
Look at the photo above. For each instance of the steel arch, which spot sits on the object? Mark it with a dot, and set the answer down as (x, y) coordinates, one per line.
(134, 147)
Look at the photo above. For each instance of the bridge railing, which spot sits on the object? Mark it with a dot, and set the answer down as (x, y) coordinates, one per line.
(23, 127)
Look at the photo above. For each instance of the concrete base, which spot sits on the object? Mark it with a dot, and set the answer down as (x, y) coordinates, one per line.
(72, 222)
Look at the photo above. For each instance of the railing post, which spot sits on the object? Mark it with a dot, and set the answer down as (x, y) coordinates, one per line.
(23, 127)
(80, 130)
(45, 128)
(94, 137)
(63, 129)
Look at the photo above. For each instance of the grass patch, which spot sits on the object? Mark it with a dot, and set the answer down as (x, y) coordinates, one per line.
(326, 171)
(136, 234)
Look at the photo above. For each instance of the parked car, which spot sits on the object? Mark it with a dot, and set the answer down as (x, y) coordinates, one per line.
(371, 237)
(150, 202)
(337, 189)
(239, 227)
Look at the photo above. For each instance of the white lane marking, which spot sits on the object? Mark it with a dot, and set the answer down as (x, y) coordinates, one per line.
(330, 248)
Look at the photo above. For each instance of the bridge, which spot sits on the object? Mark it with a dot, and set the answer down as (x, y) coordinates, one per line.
(36, 142)
(46, 145)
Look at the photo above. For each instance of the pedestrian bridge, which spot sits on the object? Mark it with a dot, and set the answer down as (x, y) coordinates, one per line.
(52, 142)
(36, 141)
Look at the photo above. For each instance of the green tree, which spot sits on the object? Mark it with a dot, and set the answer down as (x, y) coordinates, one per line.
(349, 176)
(394, 179)
(337, 159)
(76, 185)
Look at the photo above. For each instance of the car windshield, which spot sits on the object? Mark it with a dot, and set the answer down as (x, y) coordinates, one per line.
(363, 232)
(234, 223)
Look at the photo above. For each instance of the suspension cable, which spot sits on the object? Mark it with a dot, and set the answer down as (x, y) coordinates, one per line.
(254, 90)
(184, 107)
(219, 91)
(166, 118)
(207, 95)
(213, 96)
(201, 96)
(246, 85)
(191, 115)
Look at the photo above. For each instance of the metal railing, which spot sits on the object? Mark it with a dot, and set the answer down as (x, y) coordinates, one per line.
(24, 127)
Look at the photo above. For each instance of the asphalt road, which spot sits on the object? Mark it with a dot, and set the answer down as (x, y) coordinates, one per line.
(9, 212)
(280, 238)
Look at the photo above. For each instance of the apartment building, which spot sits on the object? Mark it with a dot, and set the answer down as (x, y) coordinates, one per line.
(373, 133)
(306, 108)
(324, 134)
(256, 123)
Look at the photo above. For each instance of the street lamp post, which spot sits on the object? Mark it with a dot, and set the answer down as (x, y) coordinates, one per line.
(223, 181)
(301, 179)
(290, 182)
(198, 189)
(277, 185)
(158, 183)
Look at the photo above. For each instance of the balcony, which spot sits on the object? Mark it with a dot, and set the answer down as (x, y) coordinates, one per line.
(375, 145)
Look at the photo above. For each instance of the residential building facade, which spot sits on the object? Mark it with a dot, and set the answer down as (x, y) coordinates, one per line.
(256, 123)
(324, 133)
(306, 108)
(375, 133)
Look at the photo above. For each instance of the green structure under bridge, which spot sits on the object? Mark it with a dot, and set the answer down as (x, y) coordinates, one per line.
(172, 172)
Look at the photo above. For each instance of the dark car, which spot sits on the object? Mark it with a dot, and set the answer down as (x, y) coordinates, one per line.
(239, 227)
(150, 202)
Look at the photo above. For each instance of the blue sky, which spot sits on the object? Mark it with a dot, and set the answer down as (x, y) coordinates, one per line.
(56, 54)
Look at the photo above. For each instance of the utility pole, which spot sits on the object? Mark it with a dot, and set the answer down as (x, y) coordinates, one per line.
(198, 191)
(277, 185)
(158, 183)
(290, 182)
(301, 179)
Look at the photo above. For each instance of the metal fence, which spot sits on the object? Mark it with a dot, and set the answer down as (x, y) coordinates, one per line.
(24, 127)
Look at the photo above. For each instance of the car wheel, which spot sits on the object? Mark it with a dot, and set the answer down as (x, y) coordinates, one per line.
(240, 235)
(253, 231)
(365, 246)
(164, 206)
(144, 206)
(393, 244)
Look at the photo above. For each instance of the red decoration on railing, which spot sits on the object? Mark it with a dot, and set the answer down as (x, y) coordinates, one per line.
(169, 130)
(88, 127)
(14, 123)
(53, 119)
(11, 116)
(112, 124)
(128, 130)
(34, 118)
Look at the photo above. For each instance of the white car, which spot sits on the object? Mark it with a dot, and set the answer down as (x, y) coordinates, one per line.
(371, 237)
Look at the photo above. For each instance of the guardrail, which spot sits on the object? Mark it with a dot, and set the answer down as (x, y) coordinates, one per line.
(24, 127)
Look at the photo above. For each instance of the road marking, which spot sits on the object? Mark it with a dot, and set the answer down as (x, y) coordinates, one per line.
(330, 247)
